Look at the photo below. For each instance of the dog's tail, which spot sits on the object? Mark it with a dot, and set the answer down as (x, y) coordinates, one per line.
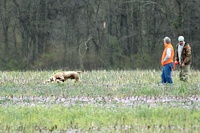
(79, 72)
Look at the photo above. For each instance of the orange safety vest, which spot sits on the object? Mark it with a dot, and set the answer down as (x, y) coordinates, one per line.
(170, 60)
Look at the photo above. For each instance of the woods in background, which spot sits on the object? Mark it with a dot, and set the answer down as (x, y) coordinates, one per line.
(94, 34)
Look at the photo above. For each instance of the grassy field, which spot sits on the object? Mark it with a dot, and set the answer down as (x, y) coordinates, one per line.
(104, 101)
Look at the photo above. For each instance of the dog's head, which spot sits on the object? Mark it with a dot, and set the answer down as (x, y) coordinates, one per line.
(52, 78)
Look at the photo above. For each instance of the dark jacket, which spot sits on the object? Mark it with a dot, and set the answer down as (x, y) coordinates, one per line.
(186, 55)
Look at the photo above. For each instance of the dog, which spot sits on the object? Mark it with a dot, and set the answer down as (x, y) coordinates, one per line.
(63, 76)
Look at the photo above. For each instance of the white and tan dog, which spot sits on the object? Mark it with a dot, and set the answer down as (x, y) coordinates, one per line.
(63, 76)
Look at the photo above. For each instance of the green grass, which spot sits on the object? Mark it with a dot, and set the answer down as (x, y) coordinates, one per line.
(97, 83)
(104, 101)
(59, 118)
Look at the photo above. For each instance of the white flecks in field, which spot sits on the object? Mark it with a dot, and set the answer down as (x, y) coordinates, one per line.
(105, 101)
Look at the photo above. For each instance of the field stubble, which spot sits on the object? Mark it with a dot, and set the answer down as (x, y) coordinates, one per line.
(110, 93)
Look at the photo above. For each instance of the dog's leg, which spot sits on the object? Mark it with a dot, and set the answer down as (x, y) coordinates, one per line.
(59, 81)
(76, 78)
(61, 78)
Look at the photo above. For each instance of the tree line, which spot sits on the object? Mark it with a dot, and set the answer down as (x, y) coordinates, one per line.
(94, 34)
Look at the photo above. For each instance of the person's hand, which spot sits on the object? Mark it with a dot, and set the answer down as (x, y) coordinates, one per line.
(182, 65)
(176, 62)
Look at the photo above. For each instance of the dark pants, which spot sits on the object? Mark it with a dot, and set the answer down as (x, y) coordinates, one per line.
(166, 73)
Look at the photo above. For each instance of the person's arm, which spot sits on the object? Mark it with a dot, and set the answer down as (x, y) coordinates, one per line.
(188, 54)
(176, 54)
(168, 54)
